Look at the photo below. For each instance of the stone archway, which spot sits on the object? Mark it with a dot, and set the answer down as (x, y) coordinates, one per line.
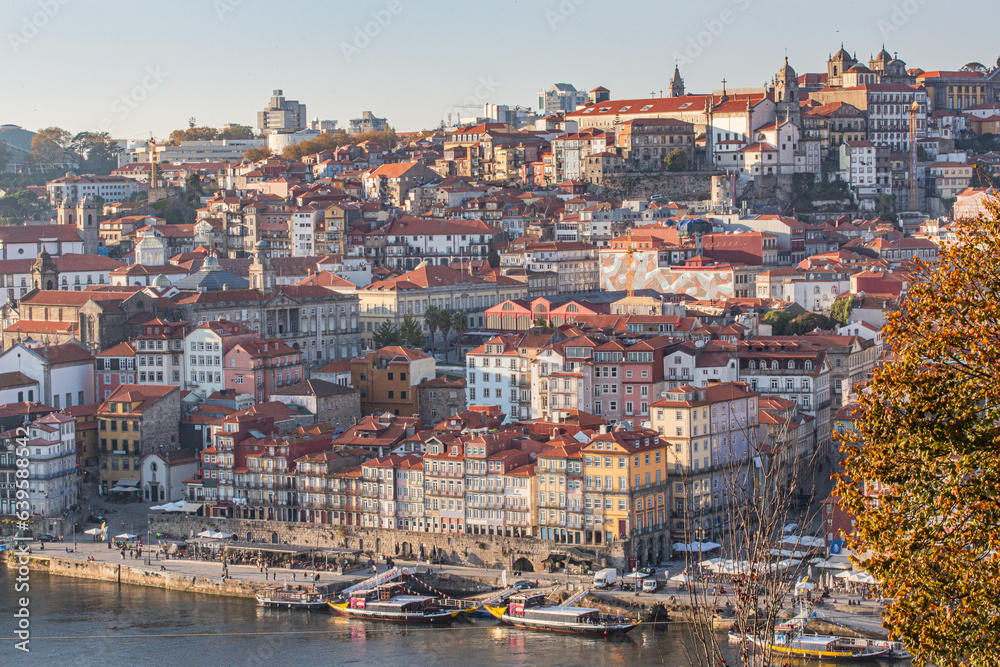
(523, 565)
(274, 538)
(660, 549)
(405, 549)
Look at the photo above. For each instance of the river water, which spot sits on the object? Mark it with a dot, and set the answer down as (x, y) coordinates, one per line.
(82, 622)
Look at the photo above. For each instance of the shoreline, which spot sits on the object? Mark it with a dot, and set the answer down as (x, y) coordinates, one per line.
(125, 573)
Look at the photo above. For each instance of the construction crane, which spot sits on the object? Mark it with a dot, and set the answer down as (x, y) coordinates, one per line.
(629, 269)
(914, 186)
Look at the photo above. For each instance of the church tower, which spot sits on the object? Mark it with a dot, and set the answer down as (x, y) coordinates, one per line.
(65, 213)
(836, 65)
(44, 274)
(261, 270)
(786, 95)
(676, 83)
(88, 224)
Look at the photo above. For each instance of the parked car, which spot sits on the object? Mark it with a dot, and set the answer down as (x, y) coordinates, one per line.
(523, 584)
(647, 570)
(45, 537)
(96, 518)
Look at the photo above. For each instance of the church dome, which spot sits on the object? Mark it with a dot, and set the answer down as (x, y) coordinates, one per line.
(161, 281)
(786, 72)
(842, 54)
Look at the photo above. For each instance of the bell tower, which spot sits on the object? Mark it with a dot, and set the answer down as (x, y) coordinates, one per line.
(44, 274)
(88, 224)
(261, 270)
(676, 83)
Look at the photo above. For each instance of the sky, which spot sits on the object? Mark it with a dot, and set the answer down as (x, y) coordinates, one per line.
(132, 67)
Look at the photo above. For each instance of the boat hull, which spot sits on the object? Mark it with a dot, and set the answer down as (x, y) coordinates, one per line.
(602, 630)
(391, 617)
(278, 604)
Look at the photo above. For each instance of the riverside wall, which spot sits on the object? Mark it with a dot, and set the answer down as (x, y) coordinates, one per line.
(138, 575)
(455, 549)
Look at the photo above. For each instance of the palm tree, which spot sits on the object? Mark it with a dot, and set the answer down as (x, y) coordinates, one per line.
(459, 324)
(444, 324)
(432, 316)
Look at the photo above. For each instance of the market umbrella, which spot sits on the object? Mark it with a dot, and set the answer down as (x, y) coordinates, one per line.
(126, 536)
(92, 531)
(680, 578)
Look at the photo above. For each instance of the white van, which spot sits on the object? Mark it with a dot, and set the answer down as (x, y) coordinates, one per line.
(650, 584)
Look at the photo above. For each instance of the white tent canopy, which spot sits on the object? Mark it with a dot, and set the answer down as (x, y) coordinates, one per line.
(843, 575)
(804, 586)
(697, 547)
(804, 541)
(169, 507)
(680, 578)
(214, 535)
(93, 531)
(126, 536)
(126, 489)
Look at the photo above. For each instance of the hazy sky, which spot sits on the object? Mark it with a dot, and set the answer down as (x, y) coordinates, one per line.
(137, 66)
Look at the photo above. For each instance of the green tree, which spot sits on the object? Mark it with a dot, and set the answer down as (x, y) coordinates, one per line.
(459, 324)
(97, 152)
(410, 333)
(386, 335)
(677, 160)
(841, 310)
(807, 322)
(257, 154)
(924, 444)
(5, 156)
(444, 324)
(885, 208)
(778, 319)
(432, 317)
(238, 132)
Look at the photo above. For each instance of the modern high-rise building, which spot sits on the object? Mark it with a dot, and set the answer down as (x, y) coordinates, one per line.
(281, 115)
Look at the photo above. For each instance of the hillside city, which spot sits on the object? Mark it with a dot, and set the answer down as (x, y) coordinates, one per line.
(564, 322)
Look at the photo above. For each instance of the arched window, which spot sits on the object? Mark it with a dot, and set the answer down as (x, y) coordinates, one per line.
(774, 365)
(791, 364)
(753, 365)
(809, 365)
(816, 289)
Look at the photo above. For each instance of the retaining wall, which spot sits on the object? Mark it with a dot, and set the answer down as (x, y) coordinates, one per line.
(456, 549)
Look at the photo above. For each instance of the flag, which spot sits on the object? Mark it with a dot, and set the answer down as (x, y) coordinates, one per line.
(836, 546)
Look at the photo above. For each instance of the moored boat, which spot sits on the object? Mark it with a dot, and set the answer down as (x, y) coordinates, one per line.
(822, 647)
(287, 597)
(523, 612)
(388, 603)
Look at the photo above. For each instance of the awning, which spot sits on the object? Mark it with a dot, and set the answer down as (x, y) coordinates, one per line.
(697, 547)
(190, 508)
(125, 489)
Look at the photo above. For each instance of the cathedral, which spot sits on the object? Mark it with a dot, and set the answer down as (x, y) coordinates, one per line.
(845, 71)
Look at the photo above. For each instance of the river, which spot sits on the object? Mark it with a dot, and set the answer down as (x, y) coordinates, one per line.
(83, 622)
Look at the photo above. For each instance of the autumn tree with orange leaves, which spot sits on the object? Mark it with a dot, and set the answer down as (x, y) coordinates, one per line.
(922, 468)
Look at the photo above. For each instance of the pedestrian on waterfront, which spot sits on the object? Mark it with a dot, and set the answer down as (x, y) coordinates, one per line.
(293, 576)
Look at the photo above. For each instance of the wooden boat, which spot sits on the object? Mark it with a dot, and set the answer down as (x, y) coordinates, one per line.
(387, 603)
(822, 647)
(286, 597)
(573, 620)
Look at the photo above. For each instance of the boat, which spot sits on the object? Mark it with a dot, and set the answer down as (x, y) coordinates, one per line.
(822, 647)
(388, 602)
(286, 597)
(525, 611)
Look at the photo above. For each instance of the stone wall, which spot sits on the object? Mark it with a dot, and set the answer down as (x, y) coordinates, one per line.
(456, 549)
(143, 576)
(683, 185)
